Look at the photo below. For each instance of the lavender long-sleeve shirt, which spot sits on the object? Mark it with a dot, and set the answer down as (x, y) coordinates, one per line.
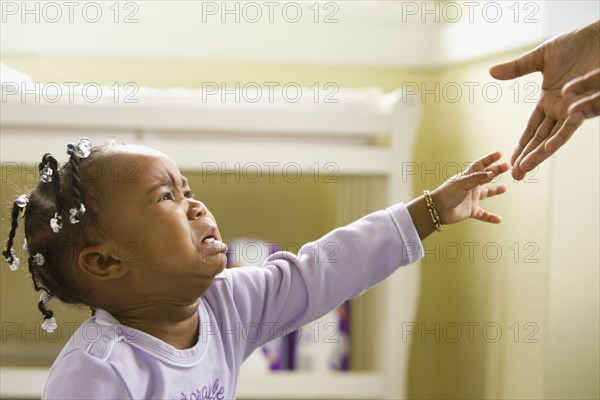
(243, 309)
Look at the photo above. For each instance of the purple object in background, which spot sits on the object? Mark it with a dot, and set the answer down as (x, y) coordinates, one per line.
(344, 327)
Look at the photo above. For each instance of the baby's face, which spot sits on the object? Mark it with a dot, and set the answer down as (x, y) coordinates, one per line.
(168, 239)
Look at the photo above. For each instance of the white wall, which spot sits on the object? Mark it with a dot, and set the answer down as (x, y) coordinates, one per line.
(420, 34)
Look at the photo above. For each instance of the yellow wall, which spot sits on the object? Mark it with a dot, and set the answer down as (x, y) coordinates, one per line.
(572, 348)
(464, 277)
(547, 290)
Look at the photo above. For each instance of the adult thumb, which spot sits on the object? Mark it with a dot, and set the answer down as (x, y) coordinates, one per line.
(523, 65)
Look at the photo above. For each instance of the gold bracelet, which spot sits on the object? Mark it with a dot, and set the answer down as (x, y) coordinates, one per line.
(435, 216)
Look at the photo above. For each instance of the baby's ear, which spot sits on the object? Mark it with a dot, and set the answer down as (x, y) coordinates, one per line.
(102, 262)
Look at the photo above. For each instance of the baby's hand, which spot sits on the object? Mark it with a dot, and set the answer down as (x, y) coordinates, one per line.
(458, 198)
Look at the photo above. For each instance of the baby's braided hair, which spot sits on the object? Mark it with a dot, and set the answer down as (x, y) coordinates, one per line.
(53, 244)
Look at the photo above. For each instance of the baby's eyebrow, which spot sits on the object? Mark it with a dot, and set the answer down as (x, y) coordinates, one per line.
(165, 182)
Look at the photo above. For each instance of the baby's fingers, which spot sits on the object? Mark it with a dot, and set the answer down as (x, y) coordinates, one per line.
(470, 181)
(491, 191)
(485, 216)
(483, 162)
(498, 169)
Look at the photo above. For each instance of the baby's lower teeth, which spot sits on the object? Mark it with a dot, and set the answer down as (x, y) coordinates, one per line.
(209, 240)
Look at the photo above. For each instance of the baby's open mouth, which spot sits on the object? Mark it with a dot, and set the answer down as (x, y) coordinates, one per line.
(212, 245)
(208, 239)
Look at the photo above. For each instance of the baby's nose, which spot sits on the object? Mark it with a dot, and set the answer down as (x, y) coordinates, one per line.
(197, 209)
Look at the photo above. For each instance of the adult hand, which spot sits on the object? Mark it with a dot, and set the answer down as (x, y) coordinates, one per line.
(560, 60)
(583, 95)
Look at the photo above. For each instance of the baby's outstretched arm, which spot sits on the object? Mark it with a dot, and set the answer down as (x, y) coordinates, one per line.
(294, 289)
(458, 198)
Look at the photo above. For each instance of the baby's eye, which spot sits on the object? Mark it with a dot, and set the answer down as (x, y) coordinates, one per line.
(188, 195)
(166, 196)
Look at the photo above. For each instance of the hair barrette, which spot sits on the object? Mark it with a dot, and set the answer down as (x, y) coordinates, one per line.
(76, 215)
(46, 173)
(22, 202)
(39, 259)
(10, 257)
(83, 149)
(56, 223)
(49, 324)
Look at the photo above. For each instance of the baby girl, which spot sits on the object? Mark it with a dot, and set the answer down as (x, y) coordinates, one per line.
(146, 256)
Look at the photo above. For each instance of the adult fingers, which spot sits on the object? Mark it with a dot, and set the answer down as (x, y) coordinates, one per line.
(563, 135)
(535, 145)
(533, 159)
(588, 107)
(550, 146)
(586, 84)
(535, 120)
(543, 132)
